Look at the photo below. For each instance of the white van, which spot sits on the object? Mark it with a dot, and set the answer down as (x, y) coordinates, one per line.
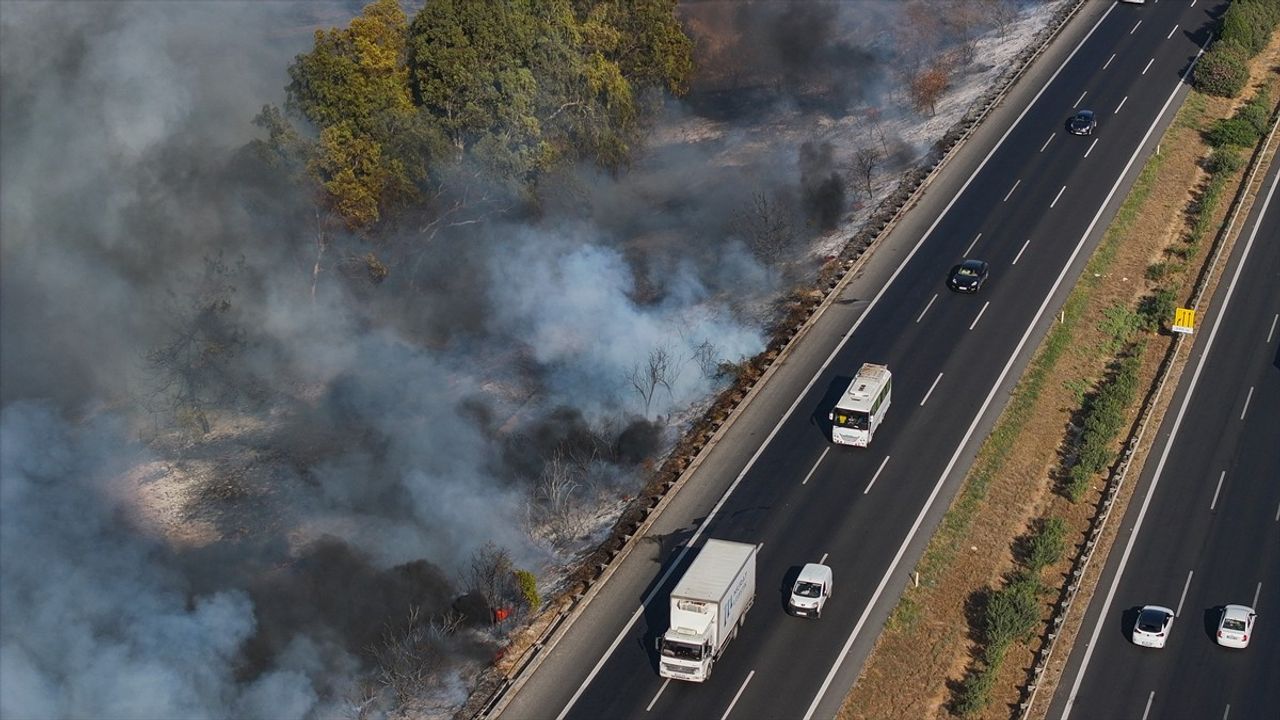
(811, 590)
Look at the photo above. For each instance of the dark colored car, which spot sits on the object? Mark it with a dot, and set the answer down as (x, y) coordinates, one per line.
(1082, 123)
(968, 276)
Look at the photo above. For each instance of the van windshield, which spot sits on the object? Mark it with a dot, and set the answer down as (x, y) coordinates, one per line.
(808, 589)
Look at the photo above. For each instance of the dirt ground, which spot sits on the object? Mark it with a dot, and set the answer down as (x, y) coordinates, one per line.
(922, 656)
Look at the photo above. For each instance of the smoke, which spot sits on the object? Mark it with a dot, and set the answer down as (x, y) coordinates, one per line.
(97, 617)
(348, 448)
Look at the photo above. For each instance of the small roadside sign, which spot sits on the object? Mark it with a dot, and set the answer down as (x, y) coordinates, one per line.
(1184, 321)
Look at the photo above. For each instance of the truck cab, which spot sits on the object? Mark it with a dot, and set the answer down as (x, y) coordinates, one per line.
(811, 590)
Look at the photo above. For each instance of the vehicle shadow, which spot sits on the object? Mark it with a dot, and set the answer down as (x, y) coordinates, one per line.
(1128, 619)
(1211, 616)
(820, 417)
(788, 582)
(657, 614)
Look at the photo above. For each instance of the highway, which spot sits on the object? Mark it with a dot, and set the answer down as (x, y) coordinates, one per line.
(1207, 532)
(1034, 207)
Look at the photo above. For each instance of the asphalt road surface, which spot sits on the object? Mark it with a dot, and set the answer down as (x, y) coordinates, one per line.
(1033, 208)
(1207, 532)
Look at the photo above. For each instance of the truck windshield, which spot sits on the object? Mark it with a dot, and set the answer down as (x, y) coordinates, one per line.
(854, 420)
(808, 589)
(684, 651)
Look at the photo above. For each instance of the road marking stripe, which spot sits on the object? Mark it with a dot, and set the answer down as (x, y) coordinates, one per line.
(1108, 63)
(814, 469)
(1086, 92)
(1095, 142)
(975, 242)
(1122, 102)
(1247, 398)
(1178, 612)
(1059, 195)
(1271, 333)
(1277, 513)
(1046, 142)
(1256, 591)
(823, 560)
(973, 324)
(1019, 255)
(878, 470)
(1226, 712)
(735, 697)
(1147, 712)
(1177, 424)
(1221, 477)
(655, 697)
(1148, 67)
(1135, 27)
(930, 392)
(1171, 32)
(1015, 187)
(926, 307)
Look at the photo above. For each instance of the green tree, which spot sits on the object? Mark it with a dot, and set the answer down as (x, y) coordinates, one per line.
(1223, 71)
(354, 75)
(356, 174)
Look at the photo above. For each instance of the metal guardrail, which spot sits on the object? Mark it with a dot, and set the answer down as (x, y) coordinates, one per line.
(1120, 472)
(913, 188)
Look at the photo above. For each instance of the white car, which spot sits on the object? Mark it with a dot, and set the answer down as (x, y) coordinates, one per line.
(1235, 626)
(1152, 628)
(811, 590)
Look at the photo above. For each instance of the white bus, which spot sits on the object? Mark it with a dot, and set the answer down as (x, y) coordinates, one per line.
(861, 408)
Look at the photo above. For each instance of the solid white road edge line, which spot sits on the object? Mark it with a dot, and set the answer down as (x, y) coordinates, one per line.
(735, 697)
(839, 346)
(1168, 446)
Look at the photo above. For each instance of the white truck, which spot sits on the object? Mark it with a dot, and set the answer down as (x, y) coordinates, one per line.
(708, 606)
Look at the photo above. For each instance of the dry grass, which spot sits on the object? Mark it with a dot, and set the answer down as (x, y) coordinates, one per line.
(1013, 482)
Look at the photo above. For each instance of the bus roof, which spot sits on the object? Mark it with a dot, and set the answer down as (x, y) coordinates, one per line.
(864, 387)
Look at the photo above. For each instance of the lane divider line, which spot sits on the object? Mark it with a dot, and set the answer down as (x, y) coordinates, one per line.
(1183, 597)
(925, 399)
(1019, 255)
(878, 471)
(738, 695)
(1214, 503)
(814, 469)
(926, 307)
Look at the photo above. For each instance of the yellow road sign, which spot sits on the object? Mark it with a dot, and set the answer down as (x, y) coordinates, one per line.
(1184, 320)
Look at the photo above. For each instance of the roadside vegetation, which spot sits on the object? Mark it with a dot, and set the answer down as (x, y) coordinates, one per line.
(965, 633)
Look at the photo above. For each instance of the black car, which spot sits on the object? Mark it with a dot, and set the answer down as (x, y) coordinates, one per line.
(968, 276)
(1082, 123)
